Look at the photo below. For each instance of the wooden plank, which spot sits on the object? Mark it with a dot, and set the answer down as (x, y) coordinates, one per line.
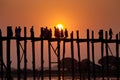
(42, 56)
(58, 59)
(93, 58)
(117, 59)
(25, 54)
(79, 56)
(33, 53)
(106, 48)
(18, 58)
(9, 32)
(88, 53)
(72, 56)
(102, 55)
(63, 67)
(63, 39)
(1, 56)
(49, 58)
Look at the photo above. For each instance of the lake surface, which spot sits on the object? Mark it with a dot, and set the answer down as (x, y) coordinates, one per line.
(66, 78)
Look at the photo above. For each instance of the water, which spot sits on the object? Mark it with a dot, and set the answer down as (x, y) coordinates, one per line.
(66, 78)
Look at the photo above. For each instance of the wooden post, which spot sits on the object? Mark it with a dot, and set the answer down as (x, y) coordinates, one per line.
(72, 55)
(9, 35)
(79, 57)
(1, 56)
(117, 58)
(93, 57)
(42, 59)
(58, 44)
(18, 57)
(106, 44)
(102, 54)
(88, 53)
(63, 70)
(49, 57)
(118, 35)
(25, 55)
(33, 53)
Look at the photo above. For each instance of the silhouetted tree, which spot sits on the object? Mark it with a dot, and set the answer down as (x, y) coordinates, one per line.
(68, 64)
(111, 61)
(84, 65)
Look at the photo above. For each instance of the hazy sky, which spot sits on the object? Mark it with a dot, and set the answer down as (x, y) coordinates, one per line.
(73, 14)
(91, 14)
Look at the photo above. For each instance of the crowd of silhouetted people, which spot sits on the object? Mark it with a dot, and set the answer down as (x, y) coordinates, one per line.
(100, 33)
(47, 33)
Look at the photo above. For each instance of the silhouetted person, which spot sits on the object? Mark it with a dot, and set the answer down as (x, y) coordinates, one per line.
(62, 34)
(57, 32)
(42, 32)
(100, 34)
(0, 32)
(18, 31)
(110, 33)
(10, 32)
(50, 33)
(66, 33)
(32, 32)
(46, 32)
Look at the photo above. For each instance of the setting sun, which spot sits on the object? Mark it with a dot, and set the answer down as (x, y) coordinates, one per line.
(60, 26)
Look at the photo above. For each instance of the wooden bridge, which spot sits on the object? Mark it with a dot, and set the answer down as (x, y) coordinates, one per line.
(103, 73)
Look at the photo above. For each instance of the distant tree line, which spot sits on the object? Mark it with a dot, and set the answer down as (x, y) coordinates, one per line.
(112, 62)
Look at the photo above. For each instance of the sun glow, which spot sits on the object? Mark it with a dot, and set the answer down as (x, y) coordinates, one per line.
(60, 26)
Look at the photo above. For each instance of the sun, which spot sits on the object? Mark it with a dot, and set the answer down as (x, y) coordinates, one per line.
(60, 26)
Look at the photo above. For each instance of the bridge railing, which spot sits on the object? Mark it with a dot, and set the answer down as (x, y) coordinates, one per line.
(103, 71)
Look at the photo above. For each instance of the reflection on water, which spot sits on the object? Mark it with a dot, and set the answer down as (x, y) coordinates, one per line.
(66, 78)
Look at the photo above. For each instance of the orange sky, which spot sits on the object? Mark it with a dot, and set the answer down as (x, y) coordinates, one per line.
(73, 14)
(86, 13)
